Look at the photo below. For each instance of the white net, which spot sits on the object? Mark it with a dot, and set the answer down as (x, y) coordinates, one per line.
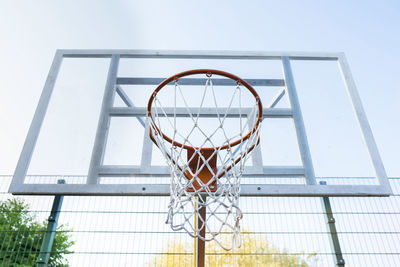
(206, 146)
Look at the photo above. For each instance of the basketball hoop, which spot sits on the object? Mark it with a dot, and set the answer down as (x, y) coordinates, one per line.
(206, 160)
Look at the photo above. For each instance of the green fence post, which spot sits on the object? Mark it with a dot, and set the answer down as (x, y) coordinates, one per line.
(332, 230)
(48, 239)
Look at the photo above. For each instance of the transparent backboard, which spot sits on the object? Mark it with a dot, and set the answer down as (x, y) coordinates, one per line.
(90, 125)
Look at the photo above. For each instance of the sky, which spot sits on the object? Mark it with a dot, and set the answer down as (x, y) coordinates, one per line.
(31, 32)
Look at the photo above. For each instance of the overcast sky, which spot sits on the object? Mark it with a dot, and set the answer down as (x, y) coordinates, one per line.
(367, 31)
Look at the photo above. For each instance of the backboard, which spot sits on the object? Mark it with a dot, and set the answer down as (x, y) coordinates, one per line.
(91, 120)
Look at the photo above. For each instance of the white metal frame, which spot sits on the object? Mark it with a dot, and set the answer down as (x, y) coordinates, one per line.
(98, 169)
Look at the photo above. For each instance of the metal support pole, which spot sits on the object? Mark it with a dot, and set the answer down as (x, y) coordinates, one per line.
(335, 244)
(48, 239)
(200, 245)
(103, 125)
(299, 126)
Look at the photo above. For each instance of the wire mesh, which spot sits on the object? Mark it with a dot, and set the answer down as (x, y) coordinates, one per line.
(131, 231)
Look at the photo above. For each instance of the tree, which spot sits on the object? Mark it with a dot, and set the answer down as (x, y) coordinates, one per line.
(21, 236)
(255, 251)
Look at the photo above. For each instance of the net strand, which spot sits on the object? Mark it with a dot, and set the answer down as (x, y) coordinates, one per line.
(223, 214)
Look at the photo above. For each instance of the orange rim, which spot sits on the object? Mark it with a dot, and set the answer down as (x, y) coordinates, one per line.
(207, 72)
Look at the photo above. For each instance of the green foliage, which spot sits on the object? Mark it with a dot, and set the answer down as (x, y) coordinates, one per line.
(255, 251)
(21, 237)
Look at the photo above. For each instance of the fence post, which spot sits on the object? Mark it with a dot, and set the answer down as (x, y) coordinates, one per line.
(47, 244)
(334, 240)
